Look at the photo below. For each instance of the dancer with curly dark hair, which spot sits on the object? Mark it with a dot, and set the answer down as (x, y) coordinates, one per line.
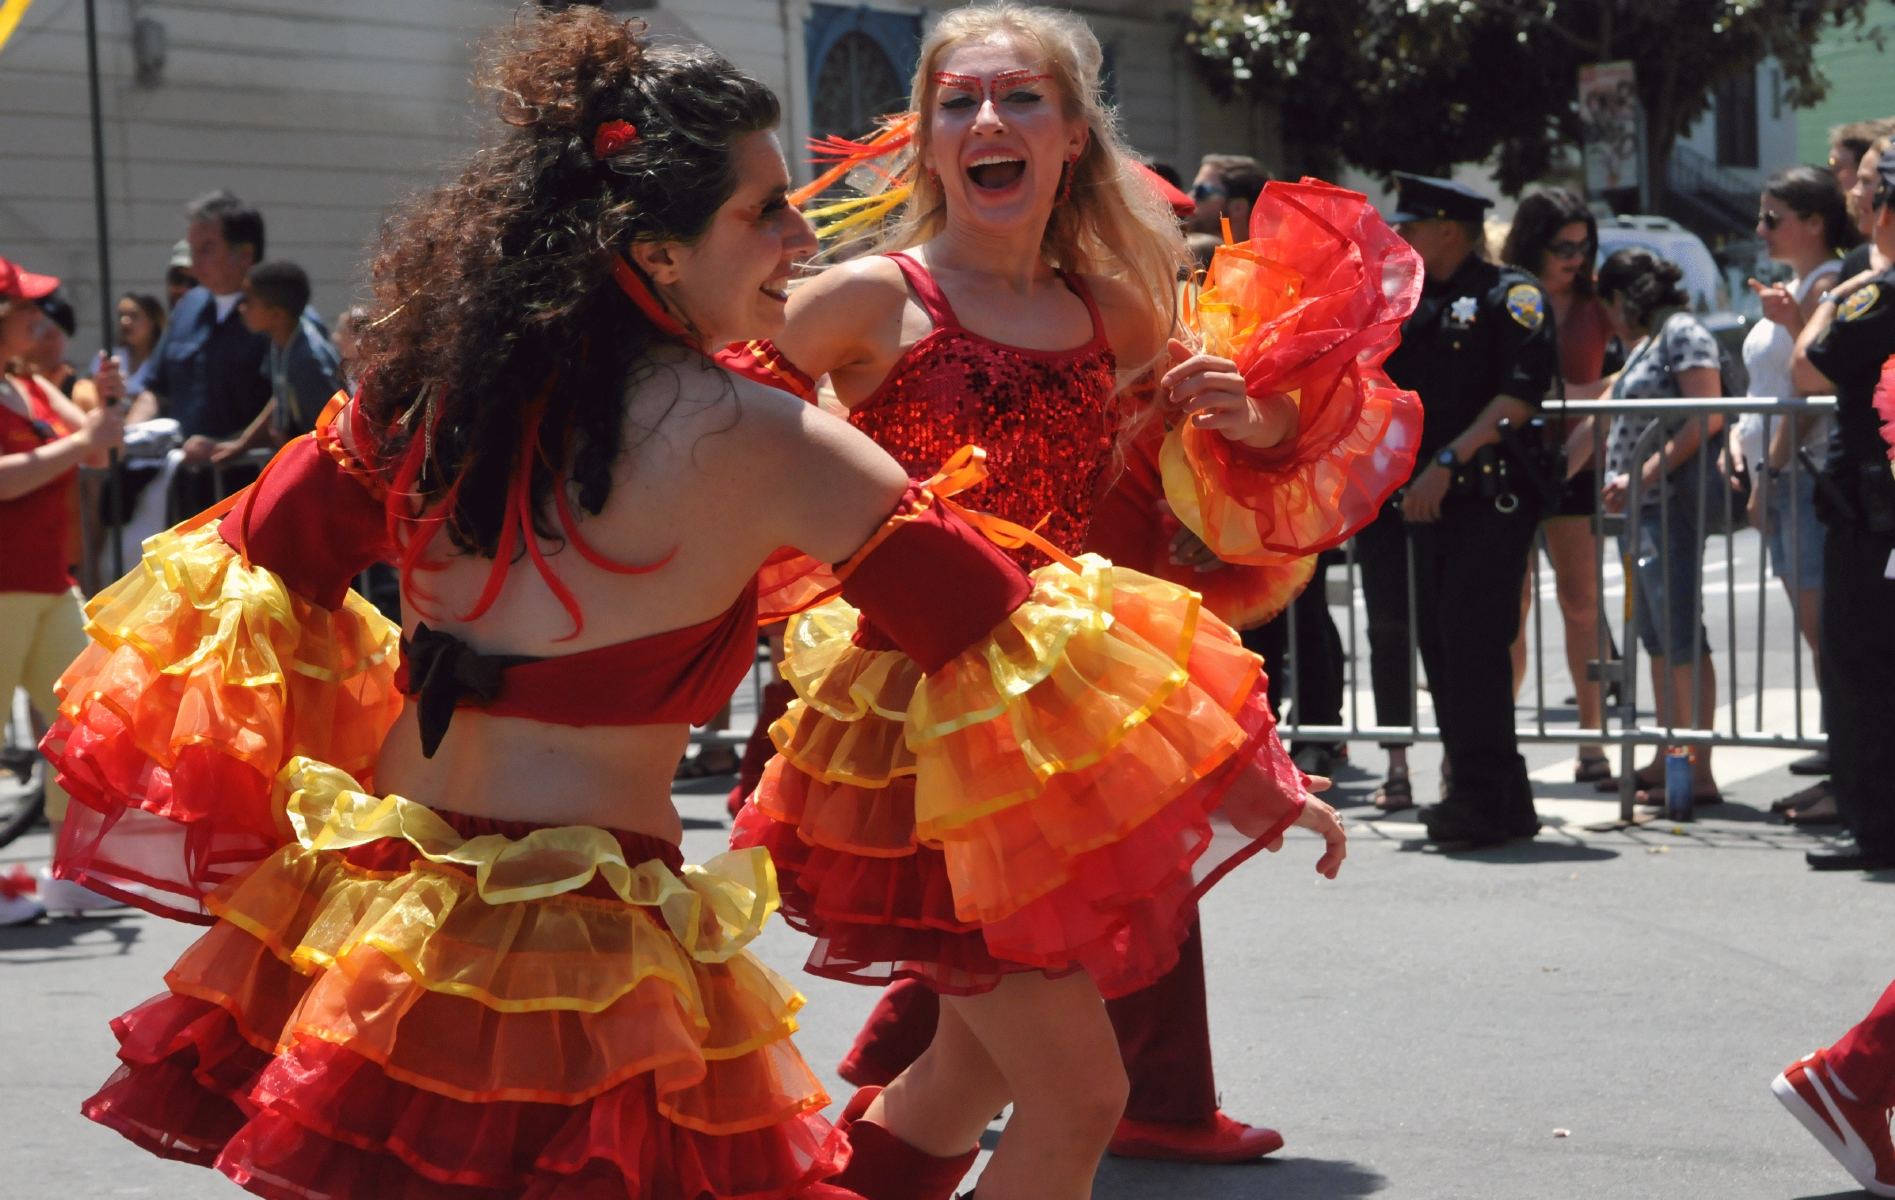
(454, 950)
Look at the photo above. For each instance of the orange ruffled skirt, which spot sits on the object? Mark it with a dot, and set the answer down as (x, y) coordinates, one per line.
(375, 1015)
(1055, 799)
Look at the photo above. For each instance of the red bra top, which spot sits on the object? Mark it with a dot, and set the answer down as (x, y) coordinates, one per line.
(1045, 417)
(313, 518)
(38, 524)
(680, 677)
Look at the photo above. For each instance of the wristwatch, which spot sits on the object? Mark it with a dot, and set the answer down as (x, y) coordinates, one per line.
(1447, 458)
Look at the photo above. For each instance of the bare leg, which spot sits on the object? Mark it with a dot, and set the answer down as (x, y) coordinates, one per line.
(1046, 1045)
(1809, 614)
(1702, 780)
(1571, 546)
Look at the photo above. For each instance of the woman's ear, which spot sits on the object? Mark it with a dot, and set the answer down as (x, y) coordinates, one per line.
(655, 260)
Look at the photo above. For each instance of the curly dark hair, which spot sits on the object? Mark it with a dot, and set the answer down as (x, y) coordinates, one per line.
(495, 312)
(1647, 281)
(1538, 221)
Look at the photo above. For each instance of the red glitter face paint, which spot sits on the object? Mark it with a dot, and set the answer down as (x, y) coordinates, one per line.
(972, 85)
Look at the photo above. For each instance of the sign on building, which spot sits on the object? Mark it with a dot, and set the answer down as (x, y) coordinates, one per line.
(1608, 110)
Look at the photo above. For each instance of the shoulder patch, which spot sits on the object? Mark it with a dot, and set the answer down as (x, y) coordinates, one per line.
(1859, 302)
(1525, 305)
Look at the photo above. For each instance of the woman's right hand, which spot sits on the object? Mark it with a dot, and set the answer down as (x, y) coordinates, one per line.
(1321, 818)
(1612, 495)
(1754, 510)
(1779, 305)
(103, 428)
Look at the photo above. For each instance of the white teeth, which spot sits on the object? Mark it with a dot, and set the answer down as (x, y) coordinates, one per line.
(988, 160)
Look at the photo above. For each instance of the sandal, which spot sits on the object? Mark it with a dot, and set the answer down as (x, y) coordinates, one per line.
(1647, 779)
(1394, 795)
(1592, 768)
(1815, 814)
(1801, 800)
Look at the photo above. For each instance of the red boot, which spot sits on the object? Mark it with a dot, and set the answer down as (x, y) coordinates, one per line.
(1221, 1140)
(883, 1167)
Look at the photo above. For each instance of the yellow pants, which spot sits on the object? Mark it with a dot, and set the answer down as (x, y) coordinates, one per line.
(40, 634)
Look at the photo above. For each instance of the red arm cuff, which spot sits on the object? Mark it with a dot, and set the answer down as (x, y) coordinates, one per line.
(933, 583)
(761, 361)
(310, 522)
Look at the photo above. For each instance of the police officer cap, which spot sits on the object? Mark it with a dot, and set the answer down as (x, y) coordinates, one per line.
(1422, 198)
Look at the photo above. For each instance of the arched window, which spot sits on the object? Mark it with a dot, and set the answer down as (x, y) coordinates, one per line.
(856, 84)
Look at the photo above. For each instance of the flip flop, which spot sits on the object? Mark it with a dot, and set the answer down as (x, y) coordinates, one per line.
(1592, 768)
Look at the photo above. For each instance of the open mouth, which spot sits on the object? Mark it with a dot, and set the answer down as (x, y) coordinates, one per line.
(994, 172)
(777, 290)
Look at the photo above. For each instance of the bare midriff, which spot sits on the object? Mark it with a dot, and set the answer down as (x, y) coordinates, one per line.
(516, 769)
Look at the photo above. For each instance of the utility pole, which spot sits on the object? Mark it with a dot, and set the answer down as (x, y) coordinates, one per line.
(107, 309)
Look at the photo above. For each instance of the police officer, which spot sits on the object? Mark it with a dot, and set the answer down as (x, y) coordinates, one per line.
(1845, 348)
(1479, 350)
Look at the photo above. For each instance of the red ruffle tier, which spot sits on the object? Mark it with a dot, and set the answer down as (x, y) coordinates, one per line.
(1121, 918)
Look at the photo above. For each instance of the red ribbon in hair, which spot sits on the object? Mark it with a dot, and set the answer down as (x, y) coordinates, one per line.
(613, 137)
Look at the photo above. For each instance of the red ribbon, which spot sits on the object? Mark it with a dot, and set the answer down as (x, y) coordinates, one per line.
(614, 137)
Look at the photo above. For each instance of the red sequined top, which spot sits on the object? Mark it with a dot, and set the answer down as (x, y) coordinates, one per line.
(1045, 417)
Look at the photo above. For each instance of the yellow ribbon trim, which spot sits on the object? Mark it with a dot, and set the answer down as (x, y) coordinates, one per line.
(714, 910)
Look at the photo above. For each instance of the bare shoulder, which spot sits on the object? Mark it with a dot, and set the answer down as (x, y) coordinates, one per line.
(865, 278)
(1127, 316)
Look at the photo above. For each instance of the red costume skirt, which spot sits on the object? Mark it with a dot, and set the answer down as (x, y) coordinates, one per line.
(366, 1022)
(1056, 799)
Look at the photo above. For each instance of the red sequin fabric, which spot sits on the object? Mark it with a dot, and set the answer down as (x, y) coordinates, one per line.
(1045, 417)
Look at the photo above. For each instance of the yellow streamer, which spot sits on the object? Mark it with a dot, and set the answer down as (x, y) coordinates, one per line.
(10, 14)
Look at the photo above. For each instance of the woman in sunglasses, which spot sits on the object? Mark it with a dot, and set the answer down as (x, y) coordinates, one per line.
(1803, 218)
(1555, 237)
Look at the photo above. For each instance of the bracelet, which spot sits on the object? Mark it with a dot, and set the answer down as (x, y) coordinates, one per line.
(1828, 297)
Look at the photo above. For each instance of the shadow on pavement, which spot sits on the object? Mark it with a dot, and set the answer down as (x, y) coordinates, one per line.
(62, 933)
(1541, 850)
(709, 785)
(1852, 1194)
(1277, 1178)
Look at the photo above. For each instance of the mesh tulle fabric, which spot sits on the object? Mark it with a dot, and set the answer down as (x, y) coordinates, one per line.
(1063, 776)
(204, 678)
(790, 582)
(1309, 307)
(364, 1023)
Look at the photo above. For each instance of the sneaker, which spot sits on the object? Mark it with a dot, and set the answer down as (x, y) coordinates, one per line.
(63, 895)
(1856, 1134)
(1219, 1140)
(20, 910)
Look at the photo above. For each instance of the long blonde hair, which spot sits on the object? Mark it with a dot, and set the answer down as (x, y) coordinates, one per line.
(1113, 224)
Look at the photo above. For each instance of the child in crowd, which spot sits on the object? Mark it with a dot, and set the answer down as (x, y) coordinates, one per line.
(303, 365)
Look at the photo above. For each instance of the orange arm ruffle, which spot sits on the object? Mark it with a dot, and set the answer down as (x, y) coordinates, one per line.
(204, 678)
(1309, 307)
(1129, 528)
(1068, 766)
(790, 582)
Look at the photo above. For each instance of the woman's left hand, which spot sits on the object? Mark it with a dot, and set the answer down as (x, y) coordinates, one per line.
(1211, 391)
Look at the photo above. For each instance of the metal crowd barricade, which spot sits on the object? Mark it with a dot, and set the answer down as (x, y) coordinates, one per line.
(1621, 725)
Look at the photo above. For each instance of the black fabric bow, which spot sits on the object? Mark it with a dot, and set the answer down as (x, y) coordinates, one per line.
(441, 669)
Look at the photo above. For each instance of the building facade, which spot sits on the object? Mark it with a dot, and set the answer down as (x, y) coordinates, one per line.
(324, 114)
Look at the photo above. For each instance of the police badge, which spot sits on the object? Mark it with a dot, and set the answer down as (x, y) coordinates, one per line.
(1461, 313)
(1525, 305)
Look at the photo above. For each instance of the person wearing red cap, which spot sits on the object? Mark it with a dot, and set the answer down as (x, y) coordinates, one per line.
(44, 438)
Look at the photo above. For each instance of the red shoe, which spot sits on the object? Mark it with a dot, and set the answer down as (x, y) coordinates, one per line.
(1220, 1140)
(883, 1167)
(1856, 1134)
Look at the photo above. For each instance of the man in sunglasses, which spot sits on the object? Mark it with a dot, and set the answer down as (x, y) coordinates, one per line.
(1227, 186)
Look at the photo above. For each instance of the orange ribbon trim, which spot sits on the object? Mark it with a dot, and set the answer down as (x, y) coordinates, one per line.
(967, 467)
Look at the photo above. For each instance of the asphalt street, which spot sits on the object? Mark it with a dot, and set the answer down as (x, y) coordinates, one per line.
(1424, 1027)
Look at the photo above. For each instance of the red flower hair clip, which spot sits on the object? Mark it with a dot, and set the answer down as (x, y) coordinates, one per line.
(613, 137)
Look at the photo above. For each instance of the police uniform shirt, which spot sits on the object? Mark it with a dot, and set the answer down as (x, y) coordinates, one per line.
(1486, 331)
(1850, 353)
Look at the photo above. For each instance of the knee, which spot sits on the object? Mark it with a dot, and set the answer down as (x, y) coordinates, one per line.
(1084, 1102)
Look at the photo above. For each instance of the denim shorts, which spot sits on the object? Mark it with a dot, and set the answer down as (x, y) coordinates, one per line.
(1673, 586)
(1809, 531)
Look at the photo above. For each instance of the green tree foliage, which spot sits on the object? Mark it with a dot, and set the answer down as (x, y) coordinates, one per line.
(1419, 85)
